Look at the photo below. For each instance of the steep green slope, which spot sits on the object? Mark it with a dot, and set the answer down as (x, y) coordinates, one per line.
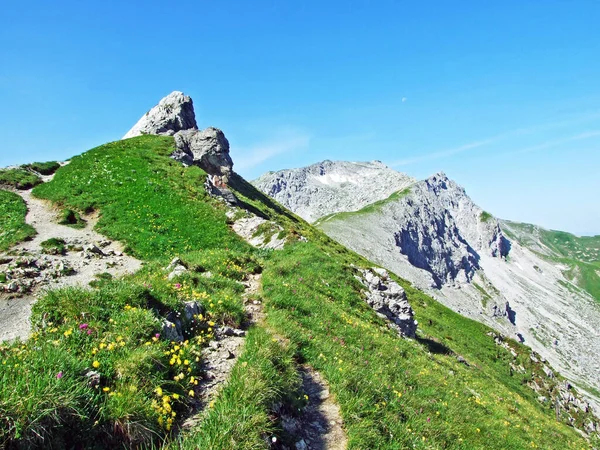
(580, 254)
(97, 371)
(397, 393)
(393, 393)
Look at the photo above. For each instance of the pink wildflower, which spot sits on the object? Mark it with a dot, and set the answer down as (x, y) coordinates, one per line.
(59, 375)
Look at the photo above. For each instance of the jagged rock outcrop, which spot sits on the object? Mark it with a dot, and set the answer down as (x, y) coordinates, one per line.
(478, 228)
(332, 186)
(441, 230)
(209, 148)
(389, 301)
(173, 113)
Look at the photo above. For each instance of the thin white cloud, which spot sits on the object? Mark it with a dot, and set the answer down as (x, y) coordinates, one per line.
(286, 141)
(556, 143)
(510, 133)
(441, 154)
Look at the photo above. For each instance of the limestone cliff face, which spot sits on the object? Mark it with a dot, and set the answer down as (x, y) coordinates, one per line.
(435, 225)
(439, 229)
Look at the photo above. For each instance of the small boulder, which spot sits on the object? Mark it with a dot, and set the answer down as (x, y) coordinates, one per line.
(208, 149)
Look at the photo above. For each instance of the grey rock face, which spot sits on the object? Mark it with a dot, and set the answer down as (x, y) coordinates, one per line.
(389, 300)
(176, 268)
(207, 148)
(478, 228)
(332, 186)
(248, 228)
(436, 226)
(173, 113)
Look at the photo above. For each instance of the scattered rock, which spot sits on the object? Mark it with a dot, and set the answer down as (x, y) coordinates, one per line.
(93, 378)
(192, 310)
(176, 272)
(462, 360)
(171, 331)
(548, 372)
(249, 228)
(389, 300)
(301, 445)
(93, 249)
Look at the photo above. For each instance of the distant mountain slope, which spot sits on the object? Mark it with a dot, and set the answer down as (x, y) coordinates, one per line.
(581, 255)
(435, 236)
(332, 186)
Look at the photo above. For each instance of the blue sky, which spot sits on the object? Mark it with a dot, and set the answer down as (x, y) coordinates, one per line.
(502, 96)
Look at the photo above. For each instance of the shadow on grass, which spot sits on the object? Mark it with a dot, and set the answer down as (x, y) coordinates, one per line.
(434, 347)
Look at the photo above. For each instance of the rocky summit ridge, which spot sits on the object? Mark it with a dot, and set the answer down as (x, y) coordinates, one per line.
(332, 186)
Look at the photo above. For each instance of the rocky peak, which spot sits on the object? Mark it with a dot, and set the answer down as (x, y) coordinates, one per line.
(209, 148)
(174, 113)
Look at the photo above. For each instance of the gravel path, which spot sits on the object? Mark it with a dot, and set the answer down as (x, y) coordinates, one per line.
(107, 256)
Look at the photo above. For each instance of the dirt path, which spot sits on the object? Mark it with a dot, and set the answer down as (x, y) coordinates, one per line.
(221, 354)
(318, 427)
(37, 271)
(320, 424)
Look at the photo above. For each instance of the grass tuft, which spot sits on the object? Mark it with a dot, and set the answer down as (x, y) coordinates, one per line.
(13, 228)
(43, 168)
(18, 179)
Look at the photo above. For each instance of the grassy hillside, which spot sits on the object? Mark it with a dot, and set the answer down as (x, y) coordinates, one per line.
(145, 198)
(580, 254)
(397, 393)
(98, 373)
